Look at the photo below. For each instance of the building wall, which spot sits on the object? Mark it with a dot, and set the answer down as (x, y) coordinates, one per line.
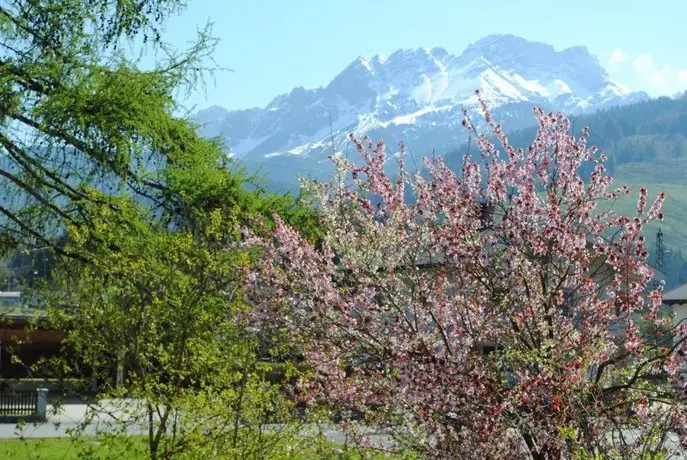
(21, 347)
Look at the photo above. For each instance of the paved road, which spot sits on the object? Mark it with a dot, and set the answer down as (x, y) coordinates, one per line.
(70, 417)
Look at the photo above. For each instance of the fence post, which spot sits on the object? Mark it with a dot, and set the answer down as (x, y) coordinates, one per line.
(41, 403)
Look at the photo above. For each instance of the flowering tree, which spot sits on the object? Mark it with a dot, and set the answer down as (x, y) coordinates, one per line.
(499, 313)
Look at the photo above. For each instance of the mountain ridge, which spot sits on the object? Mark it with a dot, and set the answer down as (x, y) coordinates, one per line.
(415, 95)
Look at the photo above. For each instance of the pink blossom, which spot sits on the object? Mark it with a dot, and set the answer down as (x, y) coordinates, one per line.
(504, 304)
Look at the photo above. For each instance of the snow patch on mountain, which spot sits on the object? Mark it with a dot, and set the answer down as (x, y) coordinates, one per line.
(416, 95)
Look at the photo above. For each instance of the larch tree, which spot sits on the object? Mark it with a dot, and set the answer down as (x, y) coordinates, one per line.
(97, 166)
(500, 313)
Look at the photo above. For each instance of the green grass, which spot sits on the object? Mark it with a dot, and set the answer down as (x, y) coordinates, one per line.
(91, 448)
(67, 449)
(657, 171)
(660, 175)
(674, 225)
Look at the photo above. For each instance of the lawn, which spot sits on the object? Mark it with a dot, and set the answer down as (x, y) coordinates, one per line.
(669, 176)
(67, 449)
(91, 448)
(675, 208)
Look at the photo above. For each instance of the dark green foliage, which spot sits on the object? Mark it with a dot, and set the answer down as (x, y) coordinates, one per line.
(634, 133)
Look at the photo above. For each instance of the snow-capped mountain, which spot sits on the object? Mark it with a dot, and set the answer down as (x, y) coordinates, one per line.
(415, 95)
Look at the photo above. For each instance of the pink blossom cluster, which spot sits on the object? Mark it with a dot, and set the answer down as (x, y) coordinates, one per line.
(503, 309)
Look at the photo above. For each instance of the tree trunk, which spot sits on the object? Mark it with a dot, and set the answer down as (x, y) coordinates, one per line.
(545, 452)
(153, 439)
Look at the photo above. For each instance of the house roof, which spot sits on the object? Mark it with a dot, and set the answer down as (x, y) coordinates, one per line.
(677, 295)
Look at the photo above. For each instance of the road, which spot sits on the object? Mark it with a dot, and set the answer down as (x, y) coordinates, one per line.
(67, 418)
(71, 416)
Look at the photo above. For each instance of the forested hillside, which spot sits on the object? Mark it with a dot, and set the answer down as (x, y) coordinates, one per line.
(638, 133)
(646, 145)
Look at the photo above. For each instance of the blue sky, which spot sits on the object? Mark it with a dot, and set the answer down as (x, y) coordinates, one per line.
(272, 46)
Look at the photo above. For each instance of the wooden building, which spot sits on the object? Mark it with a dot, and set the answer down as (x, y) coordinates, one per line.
(21, 343)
